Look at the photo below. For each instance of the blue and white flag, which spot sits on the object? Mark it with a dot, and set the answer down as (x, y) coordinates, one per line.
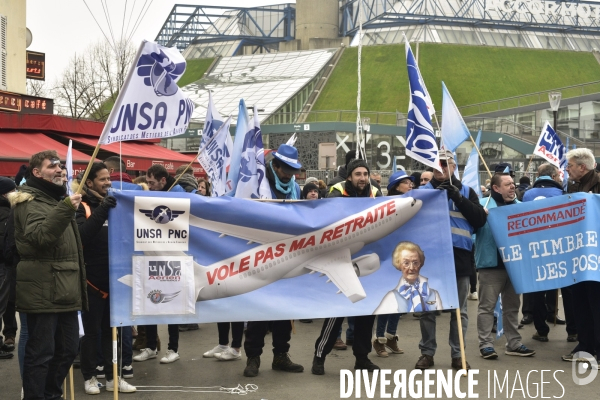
(551, 148)
(498, 315)
(241, 128)
(69, 166)
(252, 178)
(454, 129)
(150, 105)
(212, 121)
(215, 157)
(420, 138)
(471, 174)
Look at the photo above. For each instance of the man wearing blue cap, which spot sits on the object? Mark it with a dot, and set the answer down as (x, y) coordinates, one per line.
(280, 173)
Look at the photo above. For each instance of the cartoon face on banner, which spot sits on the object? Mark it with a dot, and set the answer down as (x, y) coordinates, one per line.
(263, 261)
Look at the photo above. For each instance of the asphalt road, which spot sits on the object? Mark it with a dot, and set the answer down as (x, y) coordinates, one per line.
(194, 377)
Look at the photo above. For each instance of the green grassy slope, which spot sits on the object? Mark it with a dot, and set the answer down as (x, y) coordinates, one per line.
(194, 70)
(473, 74)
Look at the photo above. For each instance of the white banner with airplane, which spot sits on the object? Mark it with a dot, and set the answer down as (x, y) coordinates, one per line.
(242, 260)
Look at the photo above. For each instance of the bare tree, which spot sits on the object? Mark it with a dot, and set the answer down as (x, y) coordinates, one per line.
(36, 88)
(91, 83)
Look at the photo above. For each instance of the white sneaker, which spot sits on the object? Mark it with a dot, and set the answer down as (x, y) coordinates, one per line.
(211, 353)
(91, 386)
(229, 355)
(170, 356)
(124, 387)
(473, 296)
(146, 354)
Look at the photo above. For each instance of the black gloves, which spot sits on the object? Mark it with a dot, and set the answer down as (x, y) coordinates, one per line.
(108, 203)
(451, 190)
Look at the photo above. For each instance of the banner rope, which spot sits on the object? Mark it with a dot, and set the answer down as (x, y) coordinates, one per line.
(239, 389)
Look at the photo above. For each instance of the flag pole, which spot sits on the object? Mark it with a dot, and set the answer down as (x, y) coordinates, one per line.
(87, 170)
(180, 175)
(480, 156)
(461, 340)
(116, 377)
(529, 164)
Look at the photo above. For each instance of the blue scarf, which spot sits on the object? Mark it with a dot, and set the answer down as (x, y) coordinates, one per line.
(286, 188)
(415, 295)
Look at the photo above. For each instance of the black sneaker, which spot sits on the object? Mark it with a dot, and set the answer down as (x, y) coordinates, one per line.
(488, 353)
(527, 319)
(5, 355)
(521, 351)
(318, 366)
(365, 363)
(252, 365)
(282, 362)
(540, 337)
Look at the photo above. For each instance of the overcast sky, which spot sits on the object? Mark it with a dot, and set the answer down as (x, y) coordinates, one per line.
(61, 28)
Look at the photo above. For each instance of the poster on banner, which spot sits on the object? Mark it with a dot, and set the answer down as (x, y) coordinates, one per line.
(549, 243)
(163, 285)
(159, 224)
(248, 265)
(551, 148)
(150, 105)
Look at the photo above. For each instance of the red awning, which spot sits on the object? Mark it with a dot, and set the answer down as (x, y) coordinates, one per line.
(17, 148)
(139, 156)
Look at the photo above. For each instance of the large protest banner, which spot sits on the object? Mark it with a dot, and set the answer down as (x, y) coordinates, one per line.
(183, 258)
(549, 243)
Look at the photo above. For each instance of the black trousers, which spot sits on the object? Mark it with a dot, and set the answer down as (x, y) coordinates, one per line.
(255, 337)
(363, 331)
(96, 325)
(586, 297)
(152, 334)
(237, 331)
(569, 305)
(528, 306)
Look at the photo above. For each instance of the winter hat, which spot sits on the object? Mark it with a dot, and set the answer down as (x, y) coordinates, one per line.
(307, 188)
(6, 185)
(356, 164)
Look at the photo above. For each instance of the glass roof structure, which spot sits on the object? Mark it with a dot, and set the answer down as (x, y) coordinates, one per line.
(264, 80)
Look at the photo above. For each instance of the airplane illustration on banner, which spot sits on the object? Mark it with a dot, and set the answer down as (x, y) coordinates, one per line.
(327, 251)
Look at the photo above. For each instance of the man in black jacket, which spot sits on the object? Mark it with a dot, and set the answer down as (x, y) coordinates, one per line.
(466, 215)
(357, 184)
(92, 220)
(6, 186)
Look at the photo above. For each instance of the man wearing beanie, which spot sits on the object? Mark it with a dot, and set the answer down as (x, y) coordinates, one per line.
(6, 186)
(310, 191)
(357, 184)
(48, 242)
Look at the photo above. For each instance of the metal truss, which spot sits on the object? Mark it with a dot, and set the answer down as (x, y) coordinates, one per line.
(581, 17)
(260, 26)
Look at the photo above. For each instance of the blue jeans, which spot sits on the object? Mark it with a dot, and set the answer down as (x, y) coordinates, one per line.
(428, 344)
(349, 331)
(126, 345)
(23, 337)
(389, 321)
(49, 353)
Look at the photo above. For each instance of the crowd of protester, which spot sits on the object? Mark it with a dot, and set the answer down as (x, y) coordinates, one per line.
(55, 263)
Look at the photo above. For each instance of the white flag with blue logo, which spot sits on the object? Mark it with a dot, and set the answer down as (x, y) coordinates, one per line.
(551, 148)
(252, 179)
(212, 122)
(454, 129)
(150, 105)
(420, 138)
(69, 166)
(215, 157)
(471, 174)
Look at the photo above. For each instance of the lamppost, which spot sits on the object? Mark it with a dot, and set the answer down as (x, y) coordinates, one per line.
(554, 99)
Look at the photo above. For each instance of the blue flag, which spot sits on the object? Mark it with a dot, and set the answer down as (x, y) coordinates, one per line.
(454, 129)
(471, 174)
(420, 138)
(252, 178)
(242, 127)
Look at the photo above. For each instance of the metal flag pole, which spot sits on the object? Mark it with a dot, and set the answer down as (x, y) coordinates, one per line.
(116, 382)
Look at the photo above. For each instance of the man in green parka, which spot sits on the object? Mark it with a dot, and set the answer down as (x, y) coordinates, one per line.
(51, 283)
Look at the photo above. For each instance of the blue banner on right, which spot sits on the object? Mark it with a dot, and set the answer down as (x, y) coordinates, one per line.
(551, 243)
